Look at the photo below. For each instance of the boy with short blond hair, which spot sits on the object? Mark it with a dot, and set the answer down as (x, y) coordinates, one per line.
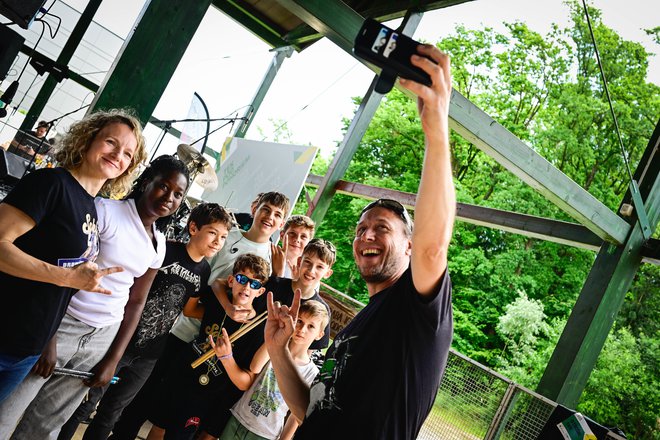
(295, 235)
(261, 411)
(189, 392)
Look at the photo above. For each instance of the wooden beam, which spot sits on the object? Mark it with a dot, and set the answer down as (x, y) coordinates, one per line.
(304, 35)
(513, 154)
(331, 18)
(340, 24)
(280, 55)
(556, 231)
(150, 55)
(603, 293)
(254, 21)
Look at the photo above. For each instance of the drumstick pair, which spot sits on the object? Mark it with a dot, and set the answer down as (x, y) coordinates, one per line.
(237, 334)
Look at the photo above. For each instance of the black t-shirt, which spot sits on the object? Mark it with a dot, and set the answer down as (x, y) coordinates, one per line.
(192, 392)
(382, 372)
(64, 234)
(283, 292)
(243, 349)
(244, 220)
(177, 280)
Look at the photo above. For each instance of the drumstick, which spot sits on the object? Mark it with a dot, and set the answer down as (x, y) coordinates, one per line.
(237, 334)
(249, 326)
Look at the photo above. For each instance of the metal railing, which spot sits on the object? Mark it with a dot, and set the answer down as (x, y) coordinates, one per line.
(475, 402)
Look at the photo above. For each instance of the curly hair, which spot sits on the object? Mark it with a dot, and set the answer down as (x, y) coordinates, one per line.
(160, 166)
(77, 141)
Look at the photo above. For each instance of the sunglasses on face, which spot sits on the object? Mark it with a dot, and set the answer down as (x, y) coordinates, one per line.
(393, 206)
(243, 280)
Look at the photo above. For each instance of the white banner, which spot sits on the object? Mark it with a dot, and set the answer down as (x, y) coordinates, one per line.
(248, 167)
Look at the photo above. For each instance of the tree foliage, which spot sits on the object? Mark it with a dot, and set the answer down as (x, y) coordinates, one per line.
(547, 90)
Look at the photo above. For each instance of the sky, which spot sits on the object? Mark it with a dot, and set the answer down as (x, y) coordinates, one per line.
(312, 92)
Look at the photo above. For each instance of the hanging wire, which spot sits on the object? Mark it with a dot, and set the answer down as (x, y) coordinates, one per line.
(607, 91)
(43, 29)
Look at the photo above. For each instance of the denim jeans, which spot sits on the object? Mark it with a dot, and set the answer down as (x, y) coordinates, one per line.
(133, 371)
(12, 372)
(46, 404)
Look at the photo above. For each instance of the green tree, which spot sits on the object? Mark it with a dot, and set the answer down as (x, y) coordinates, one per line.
(547, 90)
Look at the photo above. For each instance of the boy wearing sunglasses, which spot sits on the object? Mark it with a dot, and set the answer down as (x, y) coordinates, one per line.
(315, 265)
(187, 392)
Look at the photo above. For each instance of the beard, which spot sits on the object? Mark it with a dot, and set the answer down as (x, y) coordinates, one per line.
(384, 271)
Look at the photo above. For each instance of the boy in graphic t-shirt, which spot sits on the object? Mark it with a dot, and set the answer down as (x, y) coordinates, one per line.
(187, 393)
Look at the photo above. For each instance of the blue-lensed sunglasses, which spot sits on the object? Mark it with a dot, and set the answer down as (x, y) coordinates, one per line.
(242, 280)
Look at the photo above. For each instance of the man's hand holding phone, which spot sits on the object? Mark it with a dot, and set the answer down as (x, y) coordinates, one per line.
(391, 51)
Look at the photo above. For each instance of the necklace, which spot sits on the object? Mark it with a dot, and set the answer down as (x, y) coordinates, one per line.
(205, 378)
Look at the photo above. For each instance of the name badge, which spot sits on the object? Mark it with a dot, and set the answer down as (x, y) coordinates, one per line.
(70, 262)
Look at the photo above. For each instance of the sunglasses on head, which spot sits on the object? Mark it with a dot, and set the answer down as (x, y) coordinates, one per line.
(242, 280)
(393, 206)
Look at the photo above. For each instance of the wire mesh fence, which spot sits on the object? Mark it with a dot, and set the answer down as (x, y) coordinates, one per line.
(474, 402)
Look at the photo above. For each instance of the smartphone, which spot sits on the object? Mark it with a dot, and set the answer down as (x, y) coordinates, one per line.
(389, 50)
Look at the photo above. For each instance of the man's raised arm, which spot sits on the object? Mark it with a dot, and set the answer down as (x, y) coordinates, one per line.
(435, 208)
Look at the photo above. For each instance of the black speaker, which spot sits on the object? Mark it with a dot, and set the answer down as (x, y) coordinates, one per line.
(21, 12)
(12, 167)
(10, 45)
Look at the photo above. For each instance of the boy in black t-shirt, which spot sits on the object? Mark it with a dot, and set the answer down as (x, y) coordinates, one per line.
(184, 274)
(315, 265)
(187, 392)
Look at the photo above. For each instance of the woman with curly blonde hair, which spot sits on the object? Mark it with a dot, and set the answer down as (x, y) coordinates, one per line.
(49, 238)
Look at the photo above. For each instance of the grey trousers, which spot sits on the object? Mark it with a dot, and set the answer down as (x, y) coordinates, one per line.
(46, 404)
(133, 370)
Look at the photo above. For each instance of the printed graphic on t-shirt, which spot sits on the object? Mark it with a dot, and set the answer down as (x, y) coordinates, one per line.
(267, 397)
(159, 314)
(212, 364)
(323, 392)
(164, 304)
(90, 229)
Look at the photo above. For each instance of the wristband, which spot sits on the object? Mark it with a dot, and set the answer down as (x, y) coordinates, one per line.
(224, 357)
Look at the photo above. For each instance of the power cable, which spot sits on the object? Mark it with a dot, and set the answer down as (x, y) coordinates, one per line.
(638, 203)
(607, 90)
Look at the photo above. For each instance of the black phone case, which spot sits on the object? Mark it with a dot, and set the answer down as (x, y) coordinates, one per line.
(389, 50)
